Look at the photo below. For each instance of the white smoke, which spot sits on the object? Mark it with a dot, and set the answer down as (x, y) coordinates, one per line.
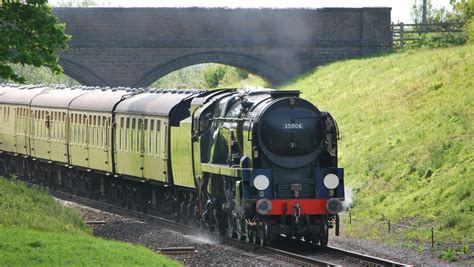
(347, 203)
(200, 238)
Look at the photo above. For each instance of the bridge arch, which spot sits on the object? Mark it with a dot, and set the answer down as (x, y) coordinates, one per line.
(253, 65)
(80, 73)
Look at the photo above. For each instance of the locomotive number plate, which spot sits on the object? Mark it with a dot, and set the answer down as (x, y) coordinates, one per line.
(293, 126)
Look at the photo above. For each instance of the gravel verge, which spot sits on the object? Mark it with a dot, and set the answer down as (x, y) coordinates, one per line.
(394, 253)
(209, 252)
(153, 236)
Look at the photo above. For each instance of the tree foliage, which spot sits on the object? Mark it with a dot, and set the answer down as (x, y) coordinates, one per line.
(214, 74)
(464, 9)
(77, 3)
(29, 35)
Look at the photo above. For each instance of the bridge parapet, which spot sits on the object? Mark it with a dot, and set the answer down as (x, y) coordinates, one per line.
(136, 46)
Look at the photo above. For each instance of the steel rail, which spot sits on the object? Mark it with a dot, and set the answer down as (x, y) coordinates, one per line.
(336, 254)
(269, 252)
(359, 258)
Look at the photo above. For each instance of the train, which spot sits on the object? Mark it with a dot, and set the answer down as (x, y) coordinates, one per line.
(252, 164)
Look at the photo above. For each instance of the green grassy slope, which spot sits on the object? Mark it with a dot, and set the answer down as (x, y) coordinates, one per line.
(36, 230)
(406, 123)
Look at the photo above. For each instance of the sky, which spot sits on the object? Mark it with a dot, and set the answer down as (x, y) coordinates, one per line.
(400, 8)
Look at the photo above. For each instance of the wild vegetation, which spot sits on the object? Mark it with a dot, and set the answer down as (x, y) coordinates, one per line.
(40, 75)
(407, 128)
(437, 28)
(36, 230)
(209, 75)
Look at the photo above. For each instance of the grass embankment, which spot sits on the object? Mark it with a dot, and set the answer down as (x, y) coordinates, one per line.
(406, 123)
(36, 230)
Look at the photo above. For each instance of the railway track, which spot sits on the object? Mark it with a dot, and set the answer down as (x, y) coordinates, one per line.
(268, 252)
(339, 256)
(325, 256)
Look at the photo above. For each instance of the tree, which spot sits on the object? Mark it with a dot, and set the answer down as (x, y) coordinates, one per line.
(29, 35)
(464, 9)
(214, 74)
(423, 12)
(78, 3)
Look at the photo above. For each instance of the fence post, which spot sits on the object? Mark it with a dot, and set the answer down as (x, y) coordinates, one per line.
(350, 217)
(432, 237)
(389, 226)
(401, 36)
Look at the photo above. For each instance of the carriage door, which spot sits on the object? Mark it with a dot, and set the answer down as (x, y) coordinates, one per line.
(88, 138)
(17, 130)
(48, 126)
(107, 147)
(26, 129)
(33, 131)
(141, 145)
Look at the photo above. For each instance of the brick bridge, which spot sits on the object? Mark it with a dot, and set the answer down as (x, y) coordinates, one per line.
(136, 46)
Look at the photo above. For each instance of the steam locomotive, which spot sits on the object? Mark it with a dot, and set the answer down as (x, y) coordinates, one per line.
(253, 164)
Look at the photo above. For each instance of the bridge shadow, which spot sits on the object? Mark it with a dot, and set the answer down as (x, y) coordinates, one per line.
(252, 65)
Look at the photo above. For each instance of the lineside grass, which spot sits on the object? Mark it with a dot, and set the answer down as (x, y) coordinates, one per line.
(36, 230)
(22, 247)
(406, 123)
(33, 208)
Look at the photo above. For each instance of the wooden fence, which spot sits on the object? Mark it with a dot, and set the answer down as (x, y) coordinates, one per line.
(414, 32)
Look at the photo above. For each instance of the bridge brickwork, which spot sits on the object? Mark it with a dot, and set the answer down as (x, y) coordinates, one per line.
(136, 46)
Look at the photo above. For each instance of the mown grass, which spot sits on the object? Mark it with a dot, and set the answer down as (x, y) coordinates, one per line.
(36, 230)
(406, 123)
(32, 208)
(21, 247)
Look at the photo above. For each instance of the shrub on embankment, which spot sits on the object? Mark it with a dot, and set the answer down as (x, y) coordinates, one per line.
(36, 230)
(406, 122)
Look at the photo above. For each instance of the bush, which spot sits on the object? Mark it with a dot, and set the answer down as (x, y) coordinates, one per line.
(242, 73)
(469, 29)
(437, 40)
(214, 74)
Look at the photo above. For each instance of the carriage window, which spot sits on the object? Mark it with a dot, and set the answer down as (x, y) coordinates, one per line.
(140, 124)
(145, 125)
(158, 125)
(128, 123)
(152, 125)
(121, 122)
(133, 123)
